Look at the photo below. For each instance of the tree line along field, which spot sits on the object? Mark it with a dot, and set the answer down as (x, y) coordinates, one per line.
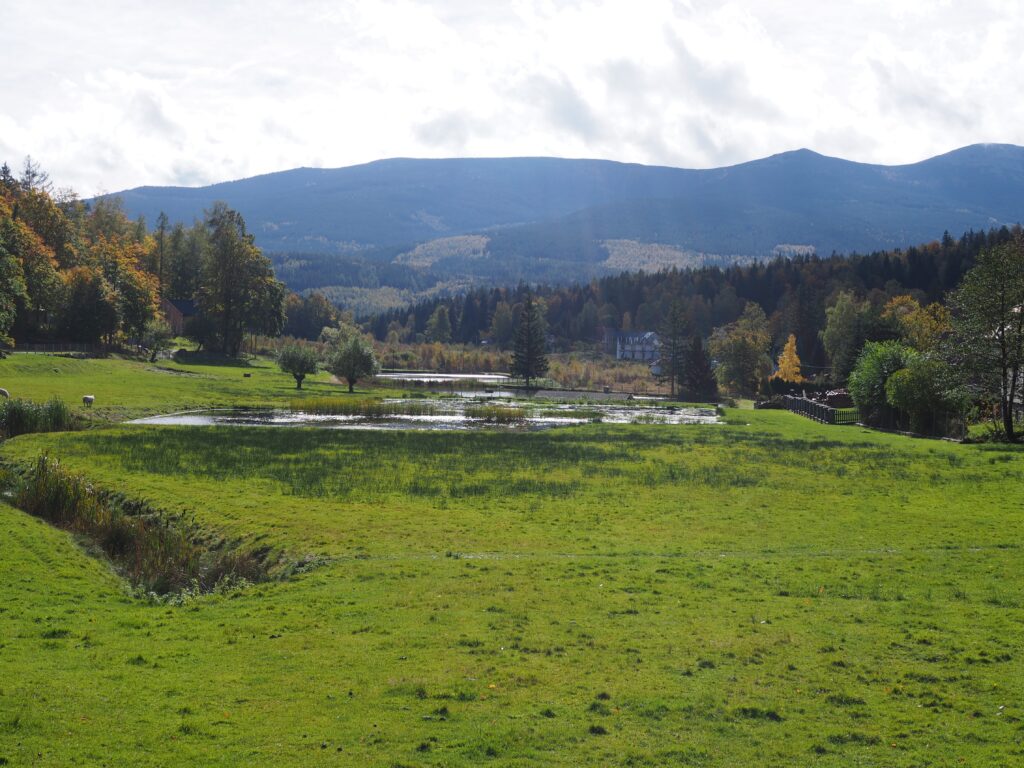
(764, 590)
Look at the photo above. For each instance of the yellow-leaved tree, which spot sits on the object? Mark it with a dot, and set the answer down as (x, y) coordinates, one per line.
(920, 327)
(789, 363)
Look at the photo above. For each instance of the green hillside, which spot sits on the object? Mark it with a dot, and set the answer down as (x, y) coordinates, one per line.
(502, 220)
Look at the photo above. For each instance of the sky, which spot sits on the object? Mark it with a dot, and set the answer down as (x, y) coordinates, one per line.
(109, 95)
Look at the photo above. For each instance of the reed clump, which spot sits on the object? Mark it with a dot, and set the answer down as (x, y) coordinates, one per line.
(496, 414)
(371, 409)
(588, 414)
(157, 553)
(21, 417)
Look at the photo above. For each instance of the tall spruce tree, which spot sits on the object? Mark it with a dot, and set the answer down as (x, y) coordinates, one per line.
(237, 291)
(188, 248)
(529, 358)
(674, 346)
(160, 252)
(698, 382)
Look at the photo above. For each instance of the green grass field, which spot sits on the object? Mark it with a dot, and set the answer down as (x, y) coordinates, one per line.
(766, 591)
(130, 388)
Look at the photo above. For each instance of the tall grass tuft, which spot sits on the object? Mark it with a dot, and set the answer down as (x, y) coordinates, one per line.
(156, 553)
(20, 417)
(496, 414)
(371, 409)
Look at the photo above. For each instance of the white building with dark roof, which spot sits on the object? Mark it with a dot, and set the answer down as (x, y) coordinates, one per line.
(638, 345)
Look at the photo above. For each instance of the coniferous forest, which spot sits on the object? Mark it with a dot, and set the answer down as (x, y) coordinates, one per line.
(794, 294)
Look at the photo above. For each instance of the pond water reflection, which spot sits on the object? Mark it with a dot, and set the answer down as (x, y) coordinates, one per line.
(449, 413)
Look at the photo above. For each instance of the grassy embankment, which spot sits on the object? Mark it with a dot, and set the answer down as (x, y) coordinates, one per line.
(130, 388)
(769, 591)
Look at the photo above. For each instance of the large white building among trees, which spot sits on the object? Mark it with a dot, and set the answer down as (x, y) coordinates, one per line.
(637, 345)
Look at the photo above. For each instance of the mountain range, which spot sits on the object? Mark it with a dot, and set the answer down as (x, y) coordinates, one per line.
(416, 226)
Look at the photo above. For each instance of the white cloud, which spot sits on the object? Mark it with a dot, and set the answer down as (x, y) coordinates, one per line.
(114, 94)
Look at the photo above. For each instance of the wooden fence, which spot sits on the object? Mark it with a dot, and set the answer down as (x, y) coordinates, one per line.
(57, 347)
(68, 347)
(935, 424)
(826, 414)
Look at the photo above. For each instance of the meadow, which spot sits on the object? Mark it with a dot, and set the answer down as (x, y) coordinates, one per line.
(128, 388)
(768, 590)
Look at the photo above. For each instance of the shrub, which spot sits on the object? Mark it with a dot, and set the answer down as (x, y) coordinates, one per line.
(20, 417)
(876, 363)
(920, 390)
(891, 375)
(353, 359)
(156, 337)
(299, 361)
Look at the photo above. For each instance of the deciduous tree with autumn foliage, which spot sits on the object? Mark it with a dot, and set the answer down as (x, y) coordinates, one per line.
(86, 273)
(789, 364)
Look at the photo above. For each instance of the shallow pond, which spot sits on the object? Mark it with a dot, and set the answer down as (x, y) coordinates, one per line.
(446, 378)
(447, 414)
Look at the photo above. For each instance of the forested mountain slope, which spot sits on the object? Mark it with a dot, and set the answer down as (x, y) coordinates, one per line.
(414, 227)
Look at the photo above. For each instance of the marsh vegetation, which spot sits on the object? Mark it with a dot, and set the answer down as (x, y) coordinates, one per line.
(20, 417)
